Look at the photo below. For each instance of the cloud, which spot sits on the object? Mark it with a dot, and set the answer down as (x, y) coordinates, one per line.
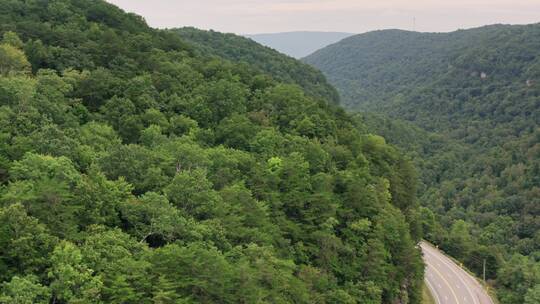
(252, 16)
(405, 5)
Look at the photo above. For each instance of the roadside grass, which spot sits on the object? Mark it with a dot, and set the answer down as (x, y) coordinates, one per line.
(427, 298)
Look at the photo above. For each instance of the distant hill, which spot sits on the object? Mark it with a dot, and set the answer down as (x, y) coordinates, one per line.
(240, 49)
(298, 44)
(477, 95)
(371, 69)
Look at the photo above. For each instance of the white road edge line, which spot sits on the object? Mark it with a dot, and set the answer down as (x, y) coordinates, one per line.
(482, 287)
(475, 300)
(445, 281)
(433, 291)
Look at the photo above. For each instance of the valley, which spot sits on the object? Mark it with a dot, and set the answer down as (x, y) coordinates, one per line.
(175, 165)
(465, 107)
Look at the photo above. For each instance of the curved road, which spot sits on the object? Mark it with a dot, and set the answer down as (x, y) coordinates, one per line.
(448, 283)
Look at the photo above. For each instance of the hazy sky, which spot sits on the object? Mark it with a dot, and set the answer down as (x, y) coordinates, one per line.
(262, 16)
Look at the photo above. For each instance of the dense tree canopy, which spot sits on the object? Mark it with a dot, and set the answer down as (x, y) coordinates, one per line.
(135, 169)
(465, 105)
(247, 51)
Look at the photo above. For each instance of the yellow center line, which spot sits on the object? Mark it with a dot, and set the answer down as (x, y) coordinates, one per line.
(457, 274)
(447, 283)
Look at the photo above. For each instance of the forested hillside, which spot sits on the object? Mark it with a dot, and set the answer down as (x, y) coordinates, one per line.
(243, 50)
(135, 168)
(473, 99)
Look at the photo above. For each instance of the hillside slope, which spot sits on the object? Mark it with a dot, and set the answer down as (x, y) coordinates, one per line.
(134, 169)
(240, 49)
(371, 69)
(298, 44)
(474, 99)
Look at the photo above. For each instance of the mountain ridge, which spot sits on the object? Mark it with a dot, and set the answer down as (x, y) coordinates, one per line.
(347, 64)
(473, 97)
(240, 49)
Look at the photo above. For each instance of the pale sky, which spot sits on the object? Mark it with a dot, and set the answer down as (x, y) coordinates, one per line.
(355, 16)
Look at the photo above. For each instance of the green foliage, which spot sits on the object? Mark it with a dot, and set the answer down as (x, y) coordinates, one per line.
(25, 290)
(118, 259)
(11, 38)
(26, 244)
(12, 60)
(152, 216)
(192, 192)
(71, 280)
(464, 106)
(239, 49)
(136, 168)
(517, 277)
(533, 295)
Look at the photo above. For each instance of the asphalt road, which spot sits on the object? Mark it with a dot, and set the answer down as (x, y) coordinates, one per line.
(448, 283)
